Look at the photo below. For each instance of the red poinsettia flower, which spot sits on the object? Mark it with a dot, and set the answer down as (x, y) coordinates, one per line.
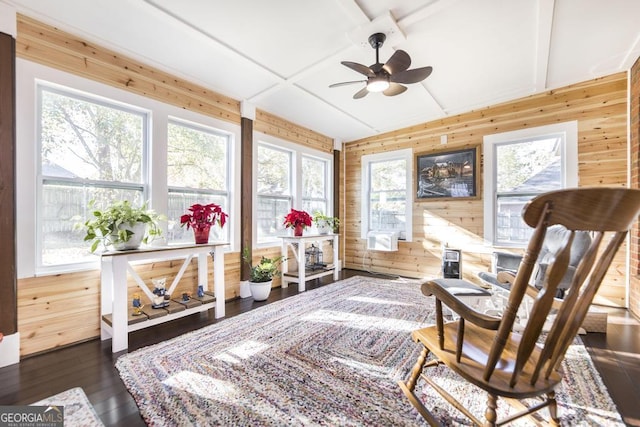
(296, 218)
(204, 215)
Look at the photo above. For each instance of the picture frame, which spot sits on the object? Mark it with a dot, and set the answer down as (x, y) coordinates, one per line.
(446, 174)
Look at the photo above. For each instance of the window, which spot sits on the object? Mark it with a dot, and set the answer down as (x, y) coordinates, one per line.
(274, 192)
(314, 185)
(386, 195)
(288, 176)
(79, 140)
(90, 149)
(197, 172)
(520, 165)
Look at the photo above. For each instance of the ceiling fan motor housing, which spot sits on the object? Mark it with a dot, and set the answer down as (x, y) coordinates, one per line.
(377, 40)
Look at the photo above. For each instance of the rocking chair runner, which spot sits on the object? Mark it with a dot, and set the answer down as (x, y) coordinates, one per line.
(485, 351)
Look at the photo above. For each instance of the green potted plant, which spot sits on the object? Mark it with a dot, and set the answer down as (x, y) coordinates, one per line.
(325, 224)
(122, 226)
(261, 277)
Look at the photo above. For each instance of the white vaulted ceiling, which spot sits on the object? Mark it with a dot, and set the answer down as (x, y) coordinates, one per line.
(282, 55)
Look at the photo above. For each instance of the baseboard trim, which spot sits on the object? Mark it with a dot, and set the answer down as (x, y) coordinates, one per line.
(10, 350)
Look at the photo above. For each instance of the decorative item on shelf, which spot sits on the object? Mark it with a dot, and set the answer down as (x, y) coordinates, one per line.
(298, 220)
(186, 296)
(160, 298)
(201, 218)
(261, 277)
(121, 226)
(200, 291)
(137, 305)
(325, 224)
(313, 258)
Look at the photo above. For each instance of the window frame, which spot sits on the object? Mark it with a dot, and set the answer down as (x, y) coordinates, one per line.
(29, 74)
(142, 186)
(569, 167)
(366, 161)
(176, 121)
(325, 199)
(297, 152)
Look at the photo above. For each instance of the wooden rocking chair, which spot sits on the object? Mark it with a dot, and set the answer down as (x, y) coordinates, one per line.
(485, 351)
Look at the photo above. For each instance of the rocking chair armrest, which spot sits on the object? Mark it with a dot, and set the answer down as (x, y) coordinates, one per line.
(532, 291)
(440, 289)
(506, 277)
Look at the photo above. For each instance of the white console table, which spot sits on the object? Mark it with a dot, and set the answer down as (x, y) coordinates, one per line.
(114, 301)
(298, 244)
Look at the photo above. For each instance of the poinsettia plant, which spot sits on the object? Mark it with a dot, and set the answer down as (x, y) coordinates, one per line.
(201, 216)
(297, 218)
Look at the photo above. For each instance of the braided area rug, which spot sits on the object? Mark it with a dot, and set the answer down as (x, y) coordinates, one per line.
(78, 411)
(330, 356)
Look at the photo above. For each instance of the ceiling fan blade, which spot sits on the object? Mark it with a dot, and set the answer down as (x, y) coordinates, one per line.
(394, 89)
(399, 61)
(346, 83)
(361, 93)
(411, 76)
(362, 69)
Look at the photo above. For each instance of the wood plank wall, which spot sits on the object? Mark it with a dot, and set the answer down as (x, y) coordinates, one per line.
(58, 310)
(599, 106)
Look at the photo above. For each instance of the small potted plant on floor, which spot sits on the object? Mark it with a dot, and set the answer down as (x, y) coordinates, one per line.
(325, 224)
(298, 220)
(262, 273)
(122, 226)
(201, 218)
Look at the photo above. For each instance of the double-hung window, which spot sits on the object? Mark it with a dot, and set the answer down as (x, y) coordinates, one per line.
(315, 185)
(274, 192)
(197, 172)
(386, 193)
(519, 166)
(288, 176)
(91, 149)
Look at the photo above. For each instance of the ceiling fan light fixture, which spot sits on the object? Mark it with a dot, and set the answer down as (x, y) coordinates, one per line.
(378, 84)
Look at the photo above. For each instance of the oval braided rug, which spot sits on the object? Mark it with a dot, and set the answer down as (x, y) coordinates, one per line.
(329, 356)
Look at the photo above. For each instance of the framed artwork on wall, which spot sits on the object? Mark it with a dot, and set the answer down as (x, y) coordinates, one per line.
(446, 174)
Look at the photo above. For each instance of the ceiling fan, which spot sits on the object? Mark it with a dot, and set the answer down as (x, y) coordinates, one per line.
(385, 78)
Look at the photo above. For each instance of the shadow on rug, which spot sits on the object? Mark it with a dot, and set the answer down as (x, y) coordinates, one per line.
(330, 356)
(78, 411)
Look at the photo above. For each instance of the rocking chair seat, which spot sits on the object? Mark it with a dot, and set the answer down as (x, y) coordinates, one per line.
(475, 356)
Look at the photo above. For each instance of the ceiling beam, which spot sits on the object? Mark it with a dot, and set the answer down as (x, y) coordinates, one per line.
(543, 43)
(424, 12)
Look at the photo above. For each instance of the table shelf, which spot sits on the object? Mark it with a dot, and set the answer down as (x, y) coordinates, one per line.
(298, 244)
(117, 319)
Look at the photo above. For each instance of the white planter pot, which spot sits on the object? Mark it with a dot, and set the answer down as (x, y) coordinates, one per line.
(260, 290)
(136, 238)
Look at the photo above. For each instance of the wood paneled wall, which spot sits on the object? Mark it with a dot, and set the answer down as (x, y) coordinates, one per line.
(59, 310)
(599, 106)
(275, 126)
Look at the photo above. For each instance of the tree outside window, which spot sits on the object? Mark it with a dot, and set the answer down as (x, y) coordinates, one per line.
(90, 150)
(197, 172)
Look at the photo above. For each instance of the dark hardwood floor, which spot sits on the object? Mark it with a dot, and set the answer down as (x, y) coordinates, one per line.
(90, 365)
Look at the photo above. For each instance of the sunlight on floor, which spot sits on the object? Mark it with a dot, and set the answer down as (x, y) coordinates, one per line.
(360, 321)
(242, 351)
(378, 301)
(202, 385)
(368, 369)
